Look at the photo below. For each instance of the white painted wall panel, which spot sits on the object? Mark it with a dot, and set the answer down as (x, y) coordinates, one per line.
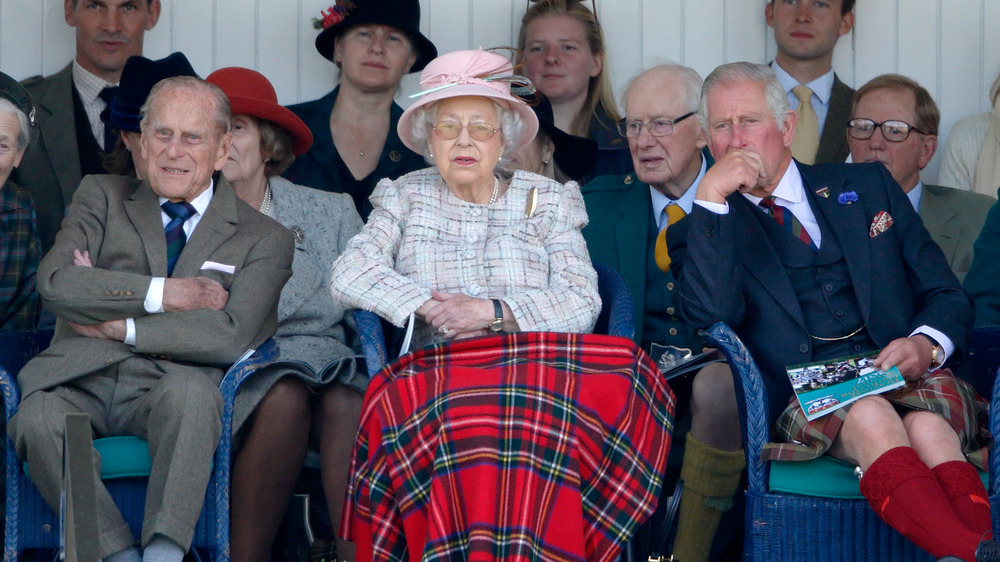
(951, 46)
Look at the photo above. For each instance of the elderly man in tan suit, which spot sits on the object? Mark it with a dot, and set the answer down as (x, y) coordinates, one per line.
(184, 278)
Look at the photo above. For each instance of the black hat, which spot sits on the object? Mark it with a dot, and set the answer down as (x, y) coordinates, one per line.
(15, 93)
(404, 15)
(138, 78)
(575, 155)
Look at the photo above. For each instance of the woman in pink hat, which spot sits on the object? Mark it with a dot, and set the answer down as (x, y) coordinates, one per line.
(465, 247)
(315, 382)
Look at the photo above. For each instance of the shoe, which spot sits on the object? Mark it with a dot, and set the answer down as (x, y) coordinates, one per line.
(988, 551)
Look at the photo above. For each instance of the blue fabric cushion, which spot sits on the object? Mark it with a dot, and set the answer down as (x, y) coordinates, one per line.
(825, 477)
(121, 457)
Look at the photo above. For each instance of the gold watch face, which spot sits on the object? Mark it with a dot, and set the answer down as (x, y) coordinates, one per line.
(496, 325)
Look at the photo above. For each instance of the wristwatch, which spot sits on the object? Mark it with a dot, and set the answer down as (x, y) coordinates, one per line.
(497, 324)
(937, 354)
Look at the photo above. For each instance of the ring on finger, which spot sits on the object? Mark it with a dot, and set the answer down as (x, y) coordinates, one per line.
(443, 329)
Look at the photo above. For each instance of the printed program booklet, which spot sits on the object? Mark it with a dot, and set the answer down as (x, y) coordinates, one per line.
(825, 386)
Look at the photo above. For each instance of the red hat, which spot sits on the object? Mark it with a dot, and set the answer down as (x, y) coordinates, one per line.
(250, 93)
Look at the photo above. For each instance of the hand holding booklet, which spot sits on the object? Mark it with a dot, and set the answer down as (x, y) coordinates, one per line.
(676, 361)
(825, 386)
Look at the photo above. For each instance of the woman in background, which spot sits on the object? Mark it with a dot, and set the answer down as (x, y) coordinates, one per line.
(563, 53)
(373, 43)
(314, 383)
(554, 154)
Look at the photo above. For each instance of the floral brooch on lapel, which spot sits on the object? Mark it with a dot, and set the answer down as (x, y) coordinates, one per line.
(847, 197)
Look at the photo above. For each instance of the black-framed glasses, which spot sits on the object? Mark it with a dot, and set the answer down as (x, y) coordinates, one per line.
(892, 130)
(659, 127)
(478, 130)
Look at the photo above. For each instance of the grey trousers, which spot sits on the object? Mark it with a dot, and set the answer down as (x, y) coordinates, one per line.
(176, 408)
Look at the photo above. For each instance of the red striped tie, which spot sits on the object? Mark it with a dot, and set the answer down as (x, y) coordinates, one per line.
(786, 220)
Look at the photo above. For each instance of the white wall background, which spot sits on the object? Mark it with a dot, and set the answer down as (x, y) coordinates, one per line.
(952, 47)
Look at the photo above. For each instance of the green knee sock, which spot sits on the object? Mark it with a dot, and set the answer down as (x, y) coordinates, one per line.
(711, 478)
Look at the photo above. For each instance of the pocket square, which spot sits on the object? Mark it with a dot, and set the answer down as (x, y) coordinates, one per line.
(881, 223)
(216, 266)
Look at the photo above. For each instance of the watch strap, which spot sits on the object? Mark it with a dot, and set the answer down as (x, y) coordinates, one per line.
(497, 323)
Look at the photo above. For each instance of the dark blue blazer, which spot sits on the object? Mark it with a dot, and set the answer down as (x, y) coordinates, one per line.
(728, 271)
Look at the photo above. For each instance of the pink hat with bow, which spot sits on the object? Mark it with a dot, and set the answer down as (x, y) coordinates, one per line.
(469, 73)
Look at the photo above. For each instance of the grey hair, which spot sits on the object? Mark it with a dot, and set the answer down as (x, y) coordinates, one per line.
(223, 111)
(23, 124)
(774, 94)
(512, 128)
(688, 77)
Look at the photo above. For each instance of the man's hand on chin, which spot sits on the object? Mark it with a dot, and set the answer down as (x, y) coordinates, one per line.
(111, 330)
(737, 170)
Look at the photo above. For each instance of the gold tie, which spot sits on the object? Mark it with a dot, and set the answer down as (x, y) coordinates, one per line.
(806, 141)
(674, 214)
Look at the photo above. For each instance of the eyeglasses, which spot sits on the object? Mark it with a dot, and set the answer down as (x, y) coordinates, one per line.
(632, 128)
(478, 130)
(893, 131)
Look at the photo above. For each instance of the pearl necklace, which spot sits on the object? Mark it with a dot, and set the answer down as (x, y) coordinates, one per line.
(496, 191)
(265, 205)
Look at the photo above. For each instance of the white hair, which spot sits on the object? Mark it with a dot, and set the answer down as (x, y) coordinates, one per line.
(23, 124)
(512, 128)
(774, 94)
(688, 78)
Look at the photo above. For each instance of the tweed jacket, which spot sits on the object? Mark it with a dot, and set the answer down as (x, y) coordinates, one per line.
(310, 323)
(421, 236)
(20, 253)
(117, 219)
(730, 272)
(954, 219)
(50, 169)
(833, 147)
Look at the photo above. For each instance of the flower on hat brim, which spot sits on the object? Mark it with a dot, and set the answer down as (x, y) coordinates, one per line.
(333, 15)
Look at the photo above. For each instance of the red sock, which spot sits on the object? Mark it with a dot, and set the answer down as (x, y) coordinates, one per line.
(907, 496)
(964, 489)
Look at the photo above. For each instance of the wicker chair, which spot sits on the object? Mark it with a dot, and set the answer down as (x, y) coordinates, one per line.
(617, 318)
(790, 526)
(30, 521)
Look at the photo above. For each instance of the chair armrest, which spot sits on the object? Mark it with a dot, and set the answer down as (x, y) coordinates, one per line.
(372, 340)
(752, 401)
(617, 317)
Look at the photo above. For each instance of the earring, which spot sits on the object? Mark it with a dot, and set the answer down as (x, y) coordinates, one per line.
(546, 161)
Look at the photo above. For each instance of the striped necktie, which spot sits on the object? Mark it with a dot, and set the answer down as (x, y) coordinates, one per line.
(786, 220)
(674, 214)
(178, 213)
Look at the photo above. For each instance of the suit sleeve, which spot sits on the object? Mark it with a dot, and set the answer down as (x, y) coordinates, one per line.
(706, 264)
(88, 295)
(981, 281)
(249, 317)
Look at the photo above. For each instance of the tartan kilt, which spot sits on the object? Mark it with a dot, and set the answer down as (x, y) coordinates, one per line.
(529, 446)
(940, 392)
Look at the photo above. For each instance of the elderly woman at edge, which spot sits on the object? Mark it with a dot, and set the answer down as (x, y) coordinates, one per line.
(315, 380)
(20, 250)
(466, 248)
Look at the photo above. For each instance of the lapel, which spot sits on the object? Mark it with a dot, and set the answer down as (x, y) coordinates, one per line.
(833, 142)
(218, 225)
(631, 234)
(849, 226)
(939, 219)
(56, 119)
(761, 259)
(143, 210)
(293, 211)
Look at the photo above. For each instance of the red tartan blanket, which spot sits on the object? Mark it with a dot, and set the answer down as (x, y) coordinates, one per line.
(532, 446)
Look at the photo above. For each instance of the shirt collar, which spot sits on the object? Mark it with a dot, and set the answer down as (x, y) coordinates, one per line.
(200, 203)
(88, 84)
(915, 195)
(789, 190)
(685, 201)
(822, 87)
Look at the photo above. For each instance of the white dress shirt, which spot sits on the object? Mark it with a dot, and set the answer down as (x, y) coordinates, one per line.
(821, 87)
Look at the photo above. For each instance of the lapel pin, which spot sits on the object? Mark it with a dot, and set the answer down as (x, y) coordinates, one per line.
(823, 192)
(299, 234)
(529, 209)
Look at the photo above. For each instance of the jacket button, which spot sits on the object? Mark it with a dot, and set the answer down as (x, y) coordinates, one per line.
(670, 310)
(804, 348)
(672, 331)
(670, 286)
